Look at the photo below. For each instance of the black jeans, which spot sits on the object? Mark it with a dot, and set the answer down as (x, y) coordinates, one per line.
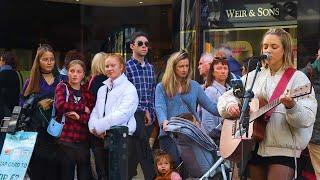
(75, 154)
(44, 163)
(100, 157)
(140, 151)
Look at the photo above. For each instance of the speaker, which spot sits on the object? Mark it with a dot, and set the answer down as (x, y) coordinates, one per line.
(10, 124)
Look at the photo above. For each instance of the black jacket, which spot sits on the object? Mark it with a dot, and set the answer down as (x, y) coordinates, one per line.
(9, 91)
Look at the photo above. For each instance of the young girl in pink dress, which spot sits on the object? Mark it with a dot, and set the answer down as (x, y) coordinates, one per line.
(164, 167)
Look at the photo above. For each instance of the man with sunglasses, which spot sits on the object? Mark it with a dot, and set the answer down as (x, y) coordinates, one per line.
(141, 73)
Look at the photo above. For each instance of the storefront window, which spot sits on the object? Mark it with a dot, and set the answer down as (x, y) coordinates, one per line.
(241, 25)
(244, 42)
(88, 26)
(188, 31)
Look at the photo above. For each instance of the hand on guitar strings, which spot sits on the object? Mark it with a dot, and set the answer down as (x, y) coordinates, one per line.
(286, 100)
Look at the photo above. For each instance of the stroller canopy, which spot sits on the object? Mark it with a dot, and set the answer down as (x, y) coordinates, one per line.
(187, 128)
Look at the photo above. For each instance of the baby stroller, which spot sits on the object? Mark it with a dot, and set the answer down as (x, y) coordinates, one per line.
(198, 151)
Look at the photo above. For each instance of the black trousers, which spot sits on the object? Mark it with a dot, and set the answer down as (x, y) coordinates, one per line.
(140, 151)
(100, 156)
(75, 154)
(44, 163)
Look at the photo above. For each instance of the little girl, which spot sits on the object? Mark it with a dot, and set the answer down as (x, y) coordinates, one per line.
(164, 167)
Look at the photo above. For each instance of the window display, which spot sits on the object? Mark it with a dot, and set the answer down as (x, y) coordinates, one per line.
(244, 42)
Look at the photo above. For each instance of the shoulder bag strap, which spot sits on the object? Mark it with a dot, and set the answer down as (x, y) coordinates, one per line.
(105, 102)
(189, 108)
(20, 80)
(90, 82)
(53, 113)
(282, 84)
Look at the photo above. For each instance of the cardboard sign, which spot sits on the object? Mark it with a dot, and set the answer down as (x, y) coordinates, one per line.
(15, 155)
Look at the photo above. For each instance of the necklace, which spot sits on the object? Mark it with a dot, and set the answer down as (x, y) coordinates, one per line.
(42, 72)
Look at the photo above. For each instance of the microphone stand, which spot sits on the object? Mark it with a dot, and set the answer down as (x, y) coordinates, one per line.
(248, 95)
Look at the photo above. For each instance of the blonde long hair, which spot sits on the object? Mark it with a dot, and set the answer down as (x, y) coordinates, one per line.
(286, 41)
(170, 80)
(98, 64)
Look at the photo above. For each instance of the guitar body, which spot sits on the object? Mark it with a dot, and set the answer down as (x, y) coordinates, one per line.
(232, 148)
(260, 124)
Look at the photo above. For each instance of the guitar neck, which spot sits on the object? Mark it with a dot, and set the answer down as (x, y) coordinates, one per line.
(298, 92)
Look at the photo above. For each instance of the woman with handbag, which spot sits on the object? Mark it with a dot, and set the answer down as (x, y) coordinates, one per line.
(96, 79)
(289, 125)
(39, 89)
(178, 94)
(74, 139)
(117, 101)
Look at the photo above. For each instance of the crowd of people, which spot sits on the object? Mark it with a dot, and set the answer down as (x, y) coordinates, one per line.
(125, 93)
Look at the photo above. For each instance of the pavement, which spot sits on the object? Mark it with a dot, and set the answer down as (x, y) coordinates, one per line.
(139, 175)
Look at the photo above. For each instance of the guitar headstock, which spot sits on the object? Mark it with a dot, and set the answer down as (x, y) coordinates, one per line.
(301, 91)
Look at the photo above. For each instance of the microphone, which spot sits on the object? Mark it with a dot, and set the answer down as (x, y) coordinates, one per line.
(263, 56)
(237, 86)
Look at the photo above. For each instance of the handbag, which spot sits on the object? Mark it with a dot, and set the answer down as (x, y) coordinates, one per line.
(55, 127)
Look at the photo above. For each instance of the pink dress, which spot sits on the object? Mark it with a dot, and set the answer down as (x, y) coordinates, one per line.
(175, 176)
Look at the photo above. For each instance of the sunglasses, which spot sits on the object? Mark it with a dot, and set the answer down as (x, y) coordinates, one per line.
(217, 60)
(140, 43)
(182, 54)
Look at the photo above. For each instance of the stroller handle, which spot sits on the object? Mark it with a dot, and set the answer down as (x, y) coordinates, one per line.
(173, 127)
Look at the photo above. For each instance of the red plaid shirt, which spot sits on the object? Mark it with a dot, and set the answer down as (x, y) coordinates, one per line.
(73, 130)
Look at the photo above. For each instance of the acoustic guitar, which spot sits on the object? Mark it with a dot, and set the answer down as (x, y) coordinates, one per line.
(234, 141)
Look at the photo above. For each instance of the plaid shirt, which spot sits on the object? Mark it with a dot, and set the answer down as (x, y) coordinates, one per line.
(143, 78)
(73, 130)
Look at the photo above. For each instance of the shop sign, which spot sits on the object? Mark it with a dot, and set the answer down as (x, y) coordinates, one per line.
(260, 11)
(228, 13)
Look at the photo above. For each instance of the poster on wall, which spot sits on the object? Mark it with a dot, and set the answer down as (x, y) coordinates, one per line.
(15, 154)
